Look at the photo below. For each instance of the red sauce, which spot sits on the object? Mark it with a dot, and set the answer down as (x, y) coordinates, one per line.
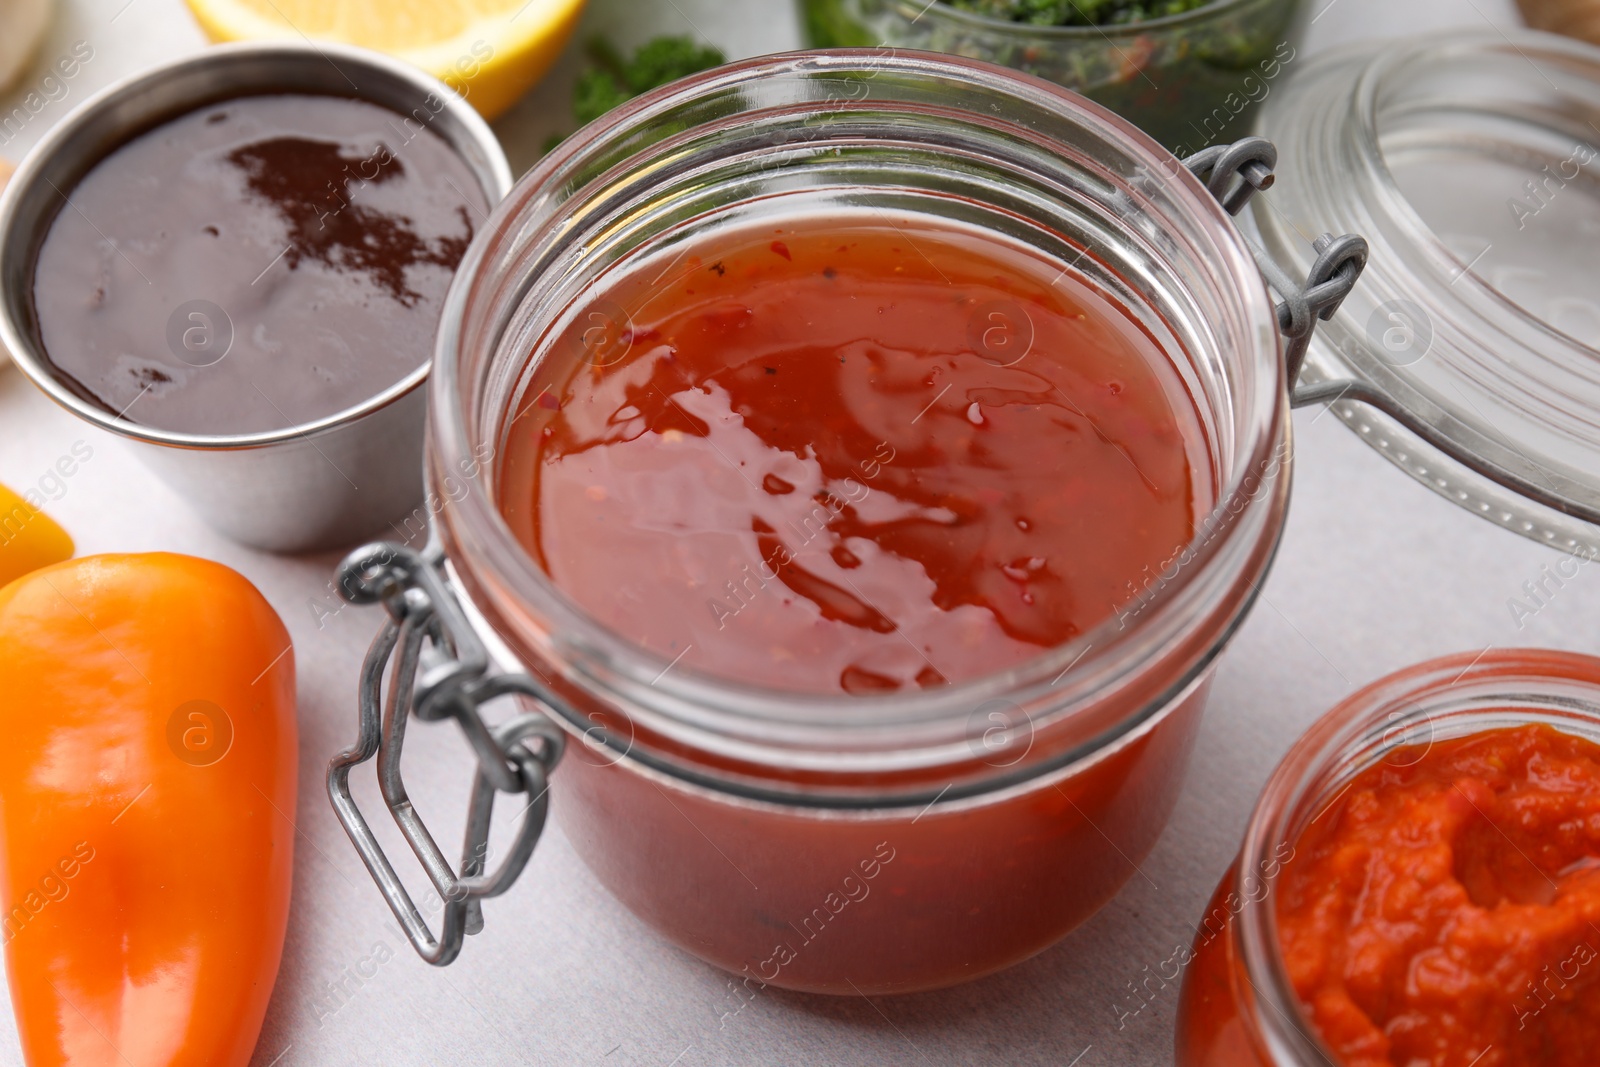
(781, 896)
(1446, 910)
(853, 457)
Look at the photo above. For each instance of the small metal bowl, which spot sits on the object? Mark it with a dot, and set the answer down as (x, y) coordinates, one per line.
(316, 485)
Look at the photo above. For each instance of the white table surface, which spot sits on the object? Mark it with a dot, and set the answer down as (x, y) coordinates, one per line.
(1375, 573)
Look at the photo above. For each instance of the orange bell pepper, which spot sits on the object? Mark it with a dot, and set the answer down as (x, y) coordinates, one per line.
(29, 539)
(147, 798)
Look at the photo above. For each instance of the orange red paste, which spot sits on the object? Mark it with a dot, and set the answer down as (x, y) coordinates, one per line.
(1445, 910)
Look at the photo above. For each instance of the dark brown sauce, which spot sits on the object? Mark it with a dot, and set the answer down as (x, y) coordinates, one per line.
(256, 264)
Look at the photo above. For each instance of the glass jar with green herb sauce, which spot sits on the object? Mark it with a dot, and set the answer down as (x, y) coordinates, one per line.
(1190, 75)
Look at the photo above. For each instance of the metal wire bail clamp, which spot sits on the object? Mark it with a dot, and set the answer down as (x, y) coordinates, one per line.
(441, 671)
(1234, 174)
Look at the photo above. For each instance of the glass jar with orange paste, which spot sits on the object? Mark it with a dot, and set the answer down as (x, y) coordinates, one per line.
(1419, 883)
(867, 457)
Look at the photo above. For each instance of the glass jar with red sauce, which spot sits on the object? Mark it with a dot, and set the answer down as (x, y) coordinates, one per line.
(1417, 882)
(869, 826)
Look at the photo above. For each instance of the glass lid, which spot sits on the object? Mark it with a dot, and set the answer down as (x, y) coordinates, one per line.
(1470, 352)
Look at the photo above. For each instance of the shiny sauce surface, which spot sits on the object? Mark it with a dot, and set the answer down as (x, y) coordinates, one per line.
(259, 263)
(852, 456)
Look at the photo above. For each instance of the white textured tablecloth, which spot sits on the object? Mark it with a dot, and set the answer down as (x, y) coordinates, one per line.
(1375, 573)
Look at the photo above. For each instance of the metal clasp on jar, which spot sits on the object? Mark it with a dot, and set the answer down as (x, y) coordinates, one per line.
(1233, 174)
(441, 671)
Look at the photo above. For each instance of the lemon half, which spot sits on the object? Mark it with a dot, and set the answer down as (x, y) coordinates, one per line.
(489, 51)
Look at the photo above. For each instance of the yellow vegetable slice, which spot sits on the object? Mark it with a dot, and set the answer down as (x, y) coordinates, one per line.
(29, 539)
(490, 51)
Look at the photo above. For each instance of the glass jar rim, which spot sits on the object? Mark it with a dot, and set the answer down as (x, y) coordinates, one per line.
(1530, 475)
(1400, 59)
(474, 532)
(1474, 691)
